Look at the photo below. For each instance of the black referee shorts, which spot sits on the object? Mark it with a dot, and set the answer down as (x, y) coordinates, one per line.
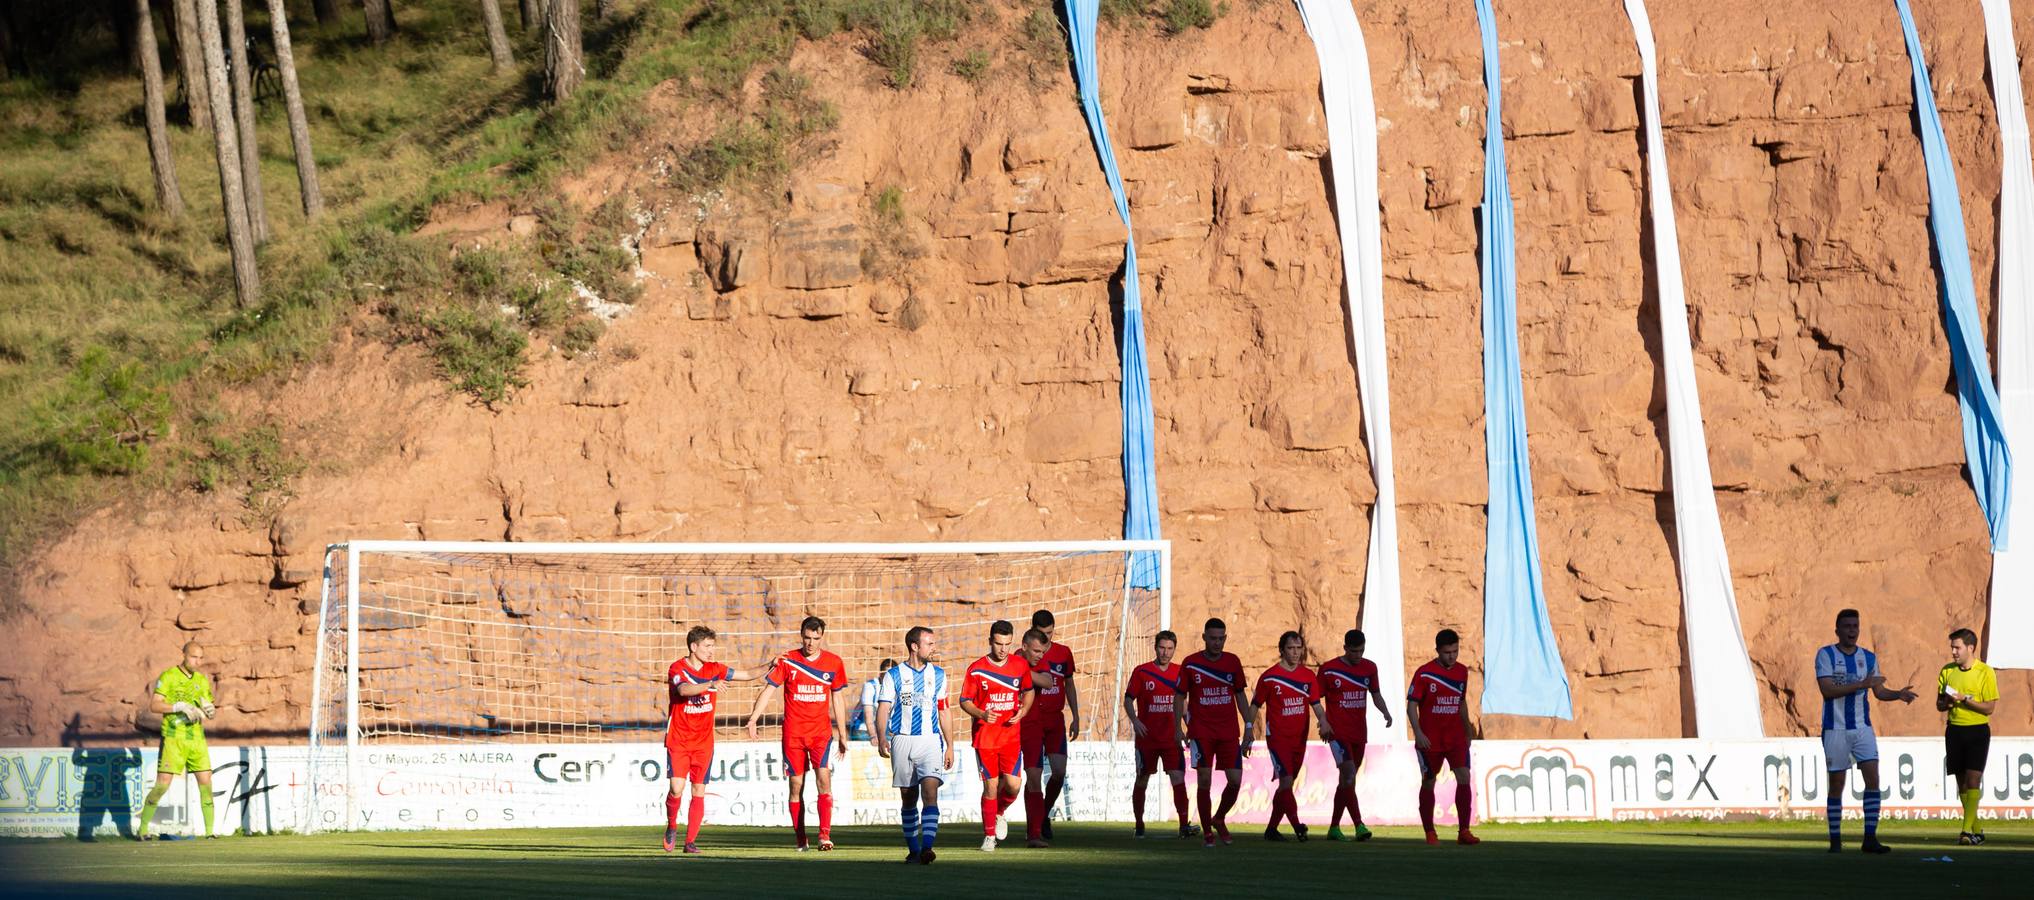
(1967, 746)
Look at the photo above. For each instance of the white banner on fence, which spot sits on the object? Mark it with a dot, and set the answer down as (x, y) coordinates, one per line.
(97, 793)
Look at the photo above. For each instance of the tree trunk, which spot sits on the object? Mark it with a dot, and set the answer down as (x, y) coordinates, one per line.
(388, 15)
(246, 279)
(191, 64)
(327, 11)
(497, 37)
(564, 64)
(533, 14)
(293, 101)
(380, 24)
(243, 118)
(167, 196)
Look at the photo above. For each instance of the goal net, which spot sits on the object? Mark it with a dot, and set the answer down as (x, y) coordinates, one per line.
(523, 684)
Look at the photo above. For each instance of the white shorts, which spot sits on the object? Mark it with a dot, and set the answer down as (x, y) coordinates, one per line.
(1843, 747)
(915, 757)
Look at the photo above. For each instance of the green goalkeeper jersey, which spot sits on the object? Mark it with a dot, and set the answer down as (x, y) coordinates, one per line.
(176, 686)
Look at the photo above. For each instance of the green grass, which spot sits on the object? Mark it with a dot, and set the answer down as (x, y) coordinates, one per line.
(1515, 861)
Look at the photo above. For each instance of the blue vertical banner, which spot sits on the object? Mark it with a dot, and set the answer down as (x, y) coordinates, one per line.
(1984, 434)
(1522, 670)
(1140, 455)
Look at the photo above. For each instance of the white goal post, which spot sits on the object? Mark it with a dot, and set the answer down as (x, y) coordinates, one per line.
(434, 651)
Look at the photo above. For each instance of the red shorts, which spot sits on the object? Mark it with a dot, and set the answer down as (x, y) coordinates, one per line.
(1454, 753)
(1043, 736)
(803, 753)
(1347, 751)
(994, 762)
(1287, 757)
(689, 763)
(1163, 754)
(1221, 753)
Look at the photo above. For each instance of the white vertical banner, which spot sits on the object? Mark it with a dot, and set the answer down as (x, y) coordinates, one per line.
(1719, 667)
(1352, 160)
(2013, 569)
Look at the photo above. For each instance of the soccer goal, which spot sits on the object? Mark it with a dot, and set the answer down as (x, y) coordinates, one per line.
(430, 655)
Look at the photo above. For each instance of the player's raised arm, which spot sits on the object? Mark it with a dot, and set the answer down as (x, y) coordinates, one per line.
(763, 698)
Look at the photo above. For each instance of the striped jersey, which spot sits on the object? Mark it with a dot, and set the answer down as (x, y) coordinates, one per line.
(1346, 688)
(1284, 695)
(1852, 710)
(916, 697)
(1439, 693)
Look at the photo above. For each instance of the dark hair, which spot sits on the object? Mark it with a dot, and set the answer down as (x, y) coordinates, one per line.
(886, 665)
(917, 631)
(1843, 614)
(1352, 638)
(1290, 636)
(1001, 626)
(1165, 636)
(1446, 636)
(812, 623)
(697, 634)
(1035, 636)
(1964, 636)
(1042, 619)
(1214, 624)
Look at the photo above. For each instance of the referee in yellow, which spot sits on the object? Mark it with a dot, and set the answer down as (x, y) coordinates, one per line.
(1968, 690)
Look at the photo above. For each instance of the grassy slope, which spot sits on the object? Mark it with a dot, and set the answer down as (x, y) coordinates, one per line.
(1519, 861)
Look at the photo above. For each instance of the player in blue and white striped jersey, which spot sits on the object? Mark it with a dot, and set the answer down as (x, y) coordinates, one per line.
(1848, 676)
(912, 717)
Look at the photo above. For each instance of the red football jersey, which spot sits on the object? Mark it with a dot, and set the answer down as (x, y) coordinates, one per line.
(1211, 686)
(997, 689)
(692, 717)
(1284, 695)
(1155, 690)
(1052, 700)
(808, 690)
(1440, 692)
(1346, 690)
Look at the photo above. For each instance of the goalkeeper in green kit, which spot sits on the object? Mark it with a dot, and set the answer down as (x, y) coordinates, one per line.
(183, 696)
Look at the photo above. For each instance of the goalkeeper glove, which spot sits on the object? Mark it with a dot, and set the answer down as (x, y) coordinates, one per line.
(209, 709)
(186, 710)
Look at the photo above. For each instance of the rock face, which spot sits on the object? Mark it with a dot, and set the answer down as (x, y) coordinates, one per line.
(818, 372)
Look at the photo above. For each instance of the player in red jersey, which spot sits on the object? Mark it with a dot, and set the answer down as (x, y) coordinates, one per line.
(998, 695)
(811, 678)
(1437, 707)
(1290, 689)
(1151, 703)
(1349, 688)
(1212, 683)
(1055, 719)
(694, 684)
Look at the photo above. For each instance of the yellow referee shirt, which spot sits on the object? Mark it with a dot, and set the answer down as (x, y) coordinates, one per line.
(1978, 683)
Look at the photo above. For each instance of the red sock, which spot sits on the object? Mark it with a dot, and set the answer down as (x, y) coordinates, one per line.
(1229, 792)
(1137, 806)
(1335, 816)
(1462, 806)
(1349, 803)
(1427, 805)
(1203, 801)
(670, 811)
(1003, 803)
(1179, 804)
(1034, 814)
(989, 814)
(695, 815)
(798, 820)
(825, 816)
(1291, 801)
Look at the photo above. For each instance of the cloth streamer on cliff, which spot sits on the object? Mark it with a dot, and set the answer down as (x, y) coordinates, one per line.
(1522, 670)
(1352, 161)
(1984, 437)
(1726, 692)
(1140, 458)
(2013, 569)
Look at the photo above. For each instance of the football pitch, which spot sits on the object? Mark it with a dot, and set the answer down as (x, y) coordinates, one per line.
(1515, 861)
